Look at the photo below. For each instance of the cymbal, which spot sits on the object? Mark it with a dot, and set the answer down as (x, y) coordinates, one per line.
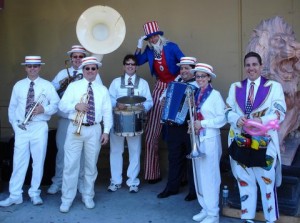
(131, 99)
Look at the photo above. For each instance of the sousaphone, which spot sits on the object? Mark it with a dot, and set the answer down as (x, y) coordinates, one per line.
(101, 30)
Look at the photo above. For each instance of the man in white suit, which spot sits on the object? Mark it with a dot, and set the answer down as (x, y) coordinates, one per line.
(267, 104)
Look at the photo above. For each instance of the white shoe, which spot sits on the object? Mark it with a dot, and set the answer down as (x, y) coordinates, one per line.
(199, 217)
(37, 200)
(65, 207)
(113, 187)
(88, 202)
(10, 201)
(53, 189)
(210, 219)
(133, 189)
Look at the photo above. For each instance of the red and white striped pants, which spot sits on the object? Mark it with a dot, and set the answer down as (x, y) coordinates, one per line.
(152, 131)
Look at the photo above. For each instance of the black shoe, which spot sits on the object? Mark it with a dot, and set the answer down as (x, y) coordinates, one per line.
(190, 197)
(166, 193)
(154, 181)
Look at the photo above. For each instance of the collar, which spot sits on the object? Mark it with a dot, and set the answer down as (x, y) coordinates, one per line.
(256, 82)
(35, 80)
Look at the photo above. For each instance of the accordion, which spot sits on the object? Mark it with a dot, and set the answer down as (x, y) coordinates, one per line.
(176, 103)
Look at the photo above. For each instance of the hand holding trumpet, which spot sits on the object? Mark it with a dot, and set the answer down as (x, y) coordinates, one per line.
(82, 107)
(39, 109)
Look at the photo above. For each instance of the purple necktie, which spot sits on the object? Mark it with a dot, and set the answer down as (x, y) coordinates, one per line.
(90, 117)
(250, 99)
(30, 98)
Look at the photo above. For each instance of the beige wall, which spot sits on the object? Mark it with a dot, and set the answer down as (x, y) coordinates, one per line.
(214, 31)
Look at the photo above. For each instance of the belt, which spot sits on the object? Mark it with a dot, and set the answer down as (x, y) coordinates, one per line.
(88, 124)
(176, 124)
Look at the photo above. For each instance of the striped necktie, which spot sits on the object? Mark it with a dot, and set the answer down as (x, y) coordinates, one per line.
(250, 99)
(90, 116)
(30, 98)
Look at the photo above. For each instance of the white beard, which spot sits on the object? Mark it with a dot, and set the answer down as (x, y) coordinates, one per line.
(157, 46)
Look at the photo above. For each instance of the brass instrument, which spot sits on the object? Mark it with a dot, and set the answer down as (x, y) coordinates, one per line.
(80, 114)
(195, 153)
(65, 82)
(30, 115)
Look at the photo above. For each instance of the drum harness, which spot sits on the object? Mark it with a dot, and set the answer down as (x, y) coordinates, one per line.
(135, 86)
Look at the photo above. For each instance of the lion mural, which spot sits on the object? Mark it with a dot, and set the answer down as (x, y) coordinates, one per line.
(275, 41)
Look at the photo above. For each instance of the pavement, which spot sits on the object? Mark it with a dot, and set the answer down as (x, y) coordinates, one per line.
(111, 207)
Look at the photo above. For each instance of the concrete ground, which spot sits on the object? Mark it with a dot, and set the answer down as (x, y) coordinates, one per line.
(120, 206)
(111, 207)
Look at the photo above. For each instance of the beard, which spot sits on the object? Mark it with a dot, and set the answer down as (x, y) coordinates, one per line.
(157, 46)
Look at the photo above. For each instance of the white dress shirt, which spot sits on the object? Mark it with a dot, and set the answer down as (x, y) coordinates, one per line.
(73, 95)
(17, 105)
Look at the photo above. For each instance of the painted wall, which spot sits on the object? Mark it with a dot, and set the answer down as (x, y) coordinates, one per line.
(214, 31)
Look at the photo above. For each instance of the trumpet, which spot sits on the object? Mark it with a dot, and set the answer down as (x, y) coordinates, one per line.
(30, 115)
(80, 114)
(195, 152)
(65, 82)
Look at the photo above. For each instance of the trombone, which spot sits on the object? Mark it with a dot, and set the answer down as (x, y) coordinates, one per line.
(195, 152)
(80, 114)
(30, 115)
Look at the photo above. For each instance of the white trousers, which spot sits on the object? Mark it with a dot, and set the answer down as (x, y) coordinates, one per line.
(88, 144)
(247, 179)
(61, 134)
(207, 175)
(116, 158)
(31, 142)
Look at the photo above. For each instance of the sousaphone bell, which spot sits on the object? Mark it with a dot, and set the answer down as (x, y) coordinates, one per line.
(101, 30)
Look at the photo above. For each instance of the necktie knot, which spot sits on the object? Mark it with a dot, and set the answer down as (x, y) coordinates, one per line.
(74, 72)
(31, 84)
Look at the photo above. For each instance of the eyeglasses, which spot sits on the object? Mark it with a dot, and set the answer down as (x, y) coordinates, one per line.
(76, 57)
(33, 66)
(201, 76)
(90, 68)
(132, 64)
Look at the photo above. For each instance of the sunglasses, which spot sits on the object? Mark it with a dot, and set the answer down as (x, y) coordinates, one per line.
(128, 64)
(90, 68)
(76, 57)
(201, 76)
(33, 66)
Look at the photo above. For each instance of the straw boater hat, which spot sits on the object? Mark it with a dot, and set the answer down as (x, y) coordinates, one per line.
(33, 60)
(151, 29)
(206, 68)
(187, 61)
(77, 49)
(90, 60)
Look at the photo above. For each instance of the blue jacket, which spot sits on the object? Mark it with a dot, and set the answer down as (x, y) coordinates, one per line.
(172, 54)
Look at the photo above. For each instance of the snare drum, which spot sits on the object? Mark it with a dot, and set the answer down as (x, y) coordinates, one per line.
(128, 122)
